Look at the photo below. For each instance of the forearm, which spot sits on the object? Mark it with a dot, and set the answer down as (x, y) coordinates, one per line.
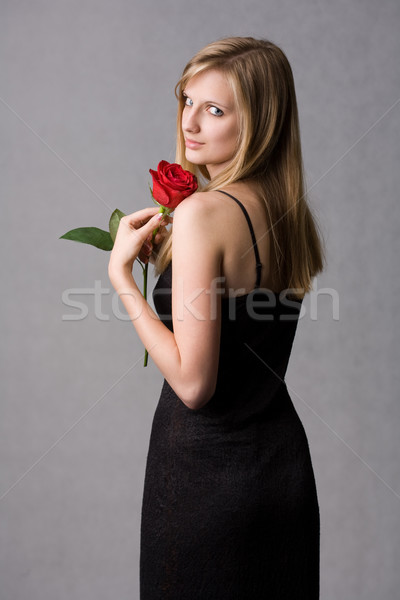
(156, 337)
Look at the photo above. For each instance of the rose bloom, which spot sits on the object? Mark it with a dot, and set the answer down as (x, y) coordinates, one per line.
(172, 184)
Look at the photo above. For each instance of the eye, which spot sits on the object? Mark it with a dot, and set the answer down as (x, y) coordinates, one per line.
(217, 112)
(188, 101)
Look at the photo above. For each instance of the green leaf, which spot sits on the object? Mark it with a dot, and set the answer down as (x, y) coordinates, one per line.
(90, 235)
(114, 223)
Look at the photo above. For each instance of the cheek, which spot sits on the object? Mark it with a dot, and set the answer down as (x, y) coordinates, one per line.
(229, 137)
(230, 130)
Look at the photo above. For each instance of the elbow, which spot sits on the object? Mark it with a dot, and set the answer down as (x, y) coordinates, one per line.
(196, 397)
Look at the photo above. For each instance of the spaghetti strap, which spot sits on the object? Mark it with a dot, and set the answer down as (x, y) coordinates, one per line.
(253, 237)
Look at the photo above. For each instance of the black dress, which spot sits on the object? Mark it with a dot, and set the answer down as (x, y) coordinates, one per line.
(230, 508)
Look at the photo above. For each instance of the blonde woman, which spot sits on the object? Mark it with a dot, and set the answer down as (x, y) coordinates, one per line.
(230, 507)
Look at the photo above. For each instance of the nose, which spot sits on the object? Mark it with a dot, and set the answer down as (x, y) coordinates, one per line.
(190, 122)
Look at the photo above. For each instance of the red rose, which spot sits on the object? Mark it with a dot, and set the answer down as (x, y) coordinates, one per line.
(172, 184)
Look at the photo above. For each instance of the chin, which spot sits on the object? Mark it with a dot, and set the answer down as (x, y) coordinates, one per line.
(191, 157)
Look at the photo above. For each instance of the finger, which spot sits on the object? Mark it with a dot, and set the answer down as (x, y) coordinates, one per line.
(159, 237)
(146, 249)
(162, 227)
(144, 233)
(141, 217)
(143, 257)
(154, 223)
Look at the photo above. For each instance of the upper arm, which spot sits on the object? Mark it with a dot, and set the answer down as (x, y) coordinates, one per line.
(196, 312)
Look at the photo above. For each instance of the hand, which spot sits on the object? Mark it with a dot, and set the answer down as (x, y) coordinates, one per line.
(134, 238)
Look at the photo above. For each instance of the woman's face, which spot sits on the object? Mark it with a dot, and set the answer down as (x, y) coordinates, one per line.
(210, 122)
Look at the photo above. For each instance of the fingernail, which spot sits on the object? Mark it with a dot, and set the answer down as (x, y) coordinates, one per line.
(160, 217)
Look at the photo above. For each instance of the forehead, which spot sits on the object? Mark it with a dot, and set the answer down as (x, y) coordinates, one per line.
(210, 84)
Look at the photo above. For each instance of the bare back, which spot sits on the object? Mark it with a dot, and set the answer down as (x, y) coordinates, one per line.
(239, 258)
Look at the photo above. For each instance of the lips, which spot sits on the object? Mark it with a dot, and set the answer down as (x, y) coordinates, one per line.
(192, 144)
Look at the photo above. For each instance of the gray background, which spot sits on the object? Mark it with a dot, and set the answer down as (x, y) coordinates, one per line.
(86, 108)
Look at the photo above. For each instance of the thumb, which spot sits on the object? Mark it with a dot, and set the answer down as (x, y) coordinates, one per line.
(156, 220)
(152, 224)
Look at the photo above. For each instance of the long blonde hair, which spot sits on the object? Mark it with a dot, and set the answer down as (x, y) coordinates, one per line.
(268, 152)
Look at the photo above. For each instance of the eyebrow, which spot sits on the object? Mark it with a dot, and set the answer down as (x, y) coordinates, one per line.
(185, 93)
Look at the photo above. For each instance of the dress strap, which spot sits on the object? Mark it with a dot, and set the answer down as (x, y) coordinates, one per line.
(253, 237)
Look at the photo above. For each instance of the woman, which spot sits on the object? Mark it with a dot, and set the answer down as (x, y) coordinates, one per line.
(230, 508)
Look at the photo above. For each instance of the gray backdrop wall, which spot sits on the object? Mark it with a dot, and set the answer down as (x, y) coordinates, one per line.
(86, 108)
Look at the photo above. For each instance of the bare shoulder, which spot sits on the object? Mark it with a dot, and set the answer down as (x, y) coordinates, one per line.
(206, 202)
(202, 212)
(196, 232)
(213, 213)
